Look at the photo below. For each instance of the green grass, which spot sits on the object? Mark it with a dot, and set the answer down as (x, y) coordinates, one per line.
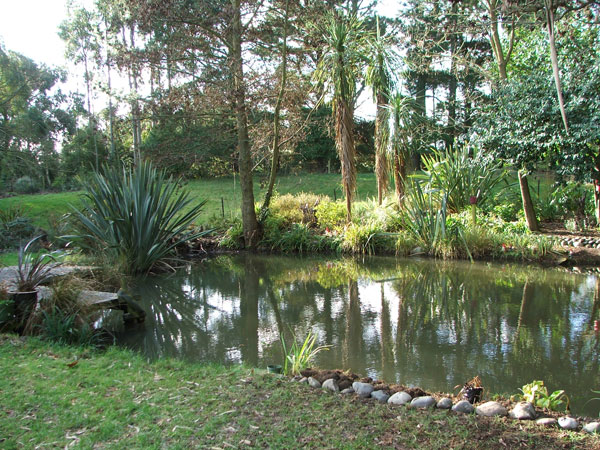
(39, 207)
(116, 399)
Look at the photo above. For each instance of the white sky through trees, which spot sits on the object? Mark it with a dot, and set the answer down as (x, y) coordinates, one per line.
(30, 27)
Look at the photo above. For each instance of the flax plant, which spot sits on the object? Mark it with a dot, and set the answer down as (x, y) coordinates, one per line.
(139, 216)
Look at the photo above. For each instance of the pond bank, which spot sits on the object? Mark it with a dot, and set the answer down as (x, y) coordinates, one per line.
(61, 395)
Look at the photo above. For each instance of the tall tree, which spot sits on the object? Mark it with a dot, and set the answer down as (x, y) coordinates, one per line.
(345, 43)
(382, 65)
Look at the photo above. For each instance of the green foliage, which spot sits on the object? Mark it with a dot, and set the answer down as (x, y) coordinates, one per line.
(366, 237)
(425, 221)
(234, 236)
(537, 394)
(63, 328)
(330, 214)
(33, 268)
(15, 231)
(300, 355)
(299, 238)
(137, 215)
(462, 177)
(25, 185)
(299, 208)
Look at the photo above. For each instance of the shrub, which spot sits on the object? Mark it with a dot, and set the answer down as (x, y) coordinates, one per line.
(298, 208)
(137, 215)
(233, 237)
(462, 177)
(366, 238)
(330, 214)
(25, 185)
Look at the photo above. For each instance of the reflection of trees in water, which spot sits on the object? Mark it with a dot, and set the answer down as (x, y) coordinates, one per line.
(453, 321)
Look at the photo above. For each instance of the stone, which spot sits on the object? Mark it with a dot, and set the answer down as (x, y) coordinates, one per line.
(363, 389)
(380, 396)
(568, 423)
(546, 421)
(463, 407)
(490, 409)
(523, 411)
(331, 385)
(314, 383)
(423, 402)
(399, 398)
(303, 380)
(592, 427)
(347, 391)
(444, 403)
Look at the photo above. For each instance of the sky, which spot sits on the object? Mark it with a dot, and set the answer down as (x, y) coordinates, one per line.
(30, 27)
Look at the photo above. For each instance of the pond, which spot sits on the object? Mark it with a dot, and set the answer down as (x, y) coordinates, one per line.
(426, 323)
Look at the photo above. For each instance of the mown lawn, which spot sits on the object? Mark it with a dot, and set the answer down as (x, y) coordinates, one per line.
(54, 396)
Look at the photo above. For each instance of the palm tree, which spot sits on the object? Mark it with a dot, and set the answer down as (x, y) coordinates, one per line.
(380, 80)
(345, 44)
(401, 110)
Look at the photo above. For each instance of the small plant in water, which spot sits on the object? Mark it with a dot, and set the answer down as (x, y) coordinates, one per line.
(299, 355)
(537, 394)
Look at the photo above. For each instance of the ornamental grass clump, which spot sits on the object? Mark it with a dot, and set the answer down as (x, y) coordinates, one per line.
(138, 216)
(300, 355)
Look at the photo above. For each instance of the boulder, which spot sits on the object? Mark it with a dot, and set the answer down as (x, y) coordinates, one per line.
(423, 402)
(399, 398)
(363, 389)
(463, 407)
(491, 409)
(523, 411)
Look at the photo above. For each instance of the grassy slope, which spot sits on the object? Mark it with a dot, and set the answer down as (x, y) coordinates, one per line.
(117, 400)
(39, 207)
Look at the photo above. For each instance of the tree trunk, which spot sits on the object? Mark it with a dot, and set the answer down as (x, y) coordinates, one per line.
(527, 203)
(276, 119)
(344, 139)
(249, 222)
(554, 59)
(399, 175)
(381, 141)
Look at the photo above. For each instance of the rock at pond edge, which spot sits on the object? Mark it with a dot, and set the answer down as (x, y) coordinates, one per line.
(423, 402)
(491, 409)
(331, 385)
(314, 383)
(400, 398)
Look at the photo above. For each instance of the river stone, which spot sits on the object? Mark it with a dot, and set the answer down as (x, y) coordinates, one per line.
(399, 398)
(347, 391)
(303, 380)
(313, 383)
(380, 396)
(444, 403)
(362, 389)
(463, 407)
(592, 428)
(523, 411)
(546, 421)
(568, 423)
(490, 409)
(423, 402)
(331, 385)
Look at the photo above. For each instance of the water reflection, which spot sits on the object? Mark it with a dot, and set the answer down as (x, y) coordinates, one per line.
(426, 323)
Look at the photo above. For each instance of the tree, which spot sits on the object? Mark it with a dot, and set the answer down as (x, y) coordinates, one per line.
(345, 41)
(382, 65)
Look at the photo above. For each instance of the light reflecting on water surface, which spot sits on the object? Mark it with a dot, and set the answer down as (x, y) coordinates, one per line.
(418, 322)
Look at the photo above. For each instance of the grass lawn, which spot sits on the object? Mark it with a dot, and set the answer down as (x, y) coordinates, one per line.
(53, 396)
(43, 208)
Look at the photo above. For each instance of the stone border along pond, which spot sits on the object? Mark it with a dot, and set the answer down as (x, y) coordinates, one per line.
(420, 400)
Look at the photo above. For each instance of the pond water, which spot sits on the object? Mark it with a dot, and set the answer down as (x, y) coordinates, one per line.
(426, 323)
